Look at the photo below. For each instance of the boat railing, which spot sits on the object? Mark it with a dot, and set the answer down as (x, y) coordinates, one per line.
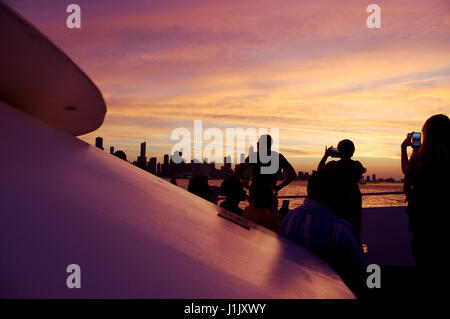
(363, 194)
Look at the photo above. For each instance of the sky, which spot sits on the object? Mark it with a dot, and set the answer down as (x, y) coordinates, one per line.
(312, 69)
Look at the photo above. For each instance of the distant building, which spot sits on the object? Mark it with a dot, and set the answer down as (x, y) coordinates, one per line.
(165, 166)
(242, 158)
(251, 152)
(374, 178)
(99, 143)
(152, 166)
(142, 159)
(241, 161)
(175, 166)
(178, 167)
(226, 170)
(227, 162)
(303, 176)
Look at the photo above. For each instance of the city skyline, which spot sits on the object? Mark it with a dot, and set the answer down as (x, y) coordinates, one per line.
(155, 166)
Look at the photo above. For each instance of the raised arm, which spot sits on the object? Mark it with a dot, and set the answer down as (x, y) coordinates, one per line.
(404, 147)
(324, 158)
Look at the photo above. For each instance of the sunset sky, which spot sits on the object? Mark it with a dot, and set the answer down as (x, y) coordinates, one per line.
(310, 68)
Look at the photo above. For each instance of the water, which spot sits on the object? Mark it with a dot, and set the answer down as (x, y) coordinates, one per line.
(299, 188)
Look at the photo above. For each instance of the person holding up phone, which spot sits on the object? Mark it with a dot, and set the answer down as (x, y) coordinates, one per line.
(413, 139)
(426, 186)
(346, 173)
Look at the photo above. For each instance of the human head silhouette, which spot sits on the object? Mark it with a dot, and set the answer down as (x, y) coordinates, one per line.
(320, 188)
(265, 140)
(436, 138)
(198, 185)
(346, 149)
(121, 155)
(233, 189)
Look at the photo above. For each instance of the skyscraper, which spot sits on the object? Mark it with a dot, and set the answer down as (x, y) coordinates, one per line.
(242, 158)
(227, 162)
(142, 159)
(165, 166)
(226, 170)
(152, 165)
(252, 154)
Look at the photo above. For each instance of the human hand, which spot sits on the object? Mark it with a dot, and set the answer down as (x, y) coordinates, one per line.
(407, 141)
(328, 151)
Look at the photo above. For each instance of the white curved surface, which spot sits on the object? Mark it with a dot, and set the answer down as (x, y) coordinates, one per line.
(134, 235)
(38, 78)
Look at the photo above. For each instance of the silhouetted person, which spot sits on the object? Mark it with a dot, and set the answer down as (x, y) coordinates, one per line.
(233, 189)
(345, 174)
(198, 185)
(263, 217)
(215, 193)
(315, 225)
(121, 155)
(427, 190)
(263, 188)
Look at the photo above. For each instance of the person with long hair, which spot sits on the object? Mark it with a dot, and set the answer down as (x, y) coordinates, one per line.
(426, 186)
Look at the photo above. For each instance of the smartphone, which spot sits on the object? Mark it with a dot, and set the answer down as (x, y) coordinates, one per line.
(416, 139)
(335, 152)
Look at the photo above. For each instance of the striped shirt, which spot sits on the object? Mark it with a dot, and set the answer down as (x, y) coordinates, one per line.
(315, 226)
